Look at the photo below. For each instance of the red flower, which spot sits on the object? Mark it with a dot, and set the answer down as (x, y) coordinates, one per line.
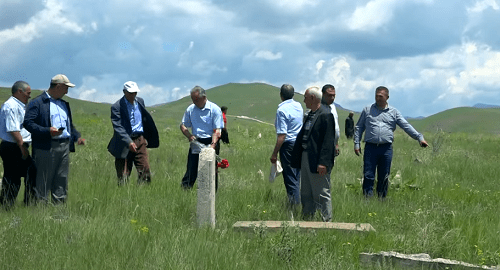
(223, 164)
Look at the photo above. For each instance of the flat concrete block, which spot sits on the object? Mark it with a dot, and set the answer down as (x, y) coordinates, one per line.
(307, 225)
(396, 260)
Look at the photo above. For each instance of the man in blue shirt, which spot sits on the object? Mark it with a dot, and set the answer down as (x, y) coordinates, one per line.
(380, 120)
(134, 131)
(48, 119)
(205, 120)
(14, 148)
(288, 124)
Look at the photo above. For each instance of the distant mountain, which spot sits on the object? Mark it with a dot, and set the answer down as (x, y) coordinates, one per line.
(486, 106)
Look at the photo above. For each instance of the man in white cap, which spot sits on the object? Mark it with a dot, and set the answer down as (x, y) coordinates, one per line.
(48, 119)
(134, 132)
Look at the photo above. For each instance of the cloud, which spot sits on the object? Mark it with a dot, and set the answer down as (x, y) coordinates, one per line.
(268, 55)
(373, 15)
(480, 6)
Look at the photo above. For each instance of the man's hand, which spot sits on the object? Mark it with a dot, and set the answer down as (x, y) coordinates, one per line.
(337, 150)
(321, 170)
(25, 152)
(357, 151)
(132, 147)
(274, 158)
(81, 141)
(424, 144)
(55, 132)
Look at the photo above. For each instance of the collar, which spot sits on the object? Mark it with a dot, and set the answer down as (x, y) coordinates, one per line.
(286, 101)
(18, 101)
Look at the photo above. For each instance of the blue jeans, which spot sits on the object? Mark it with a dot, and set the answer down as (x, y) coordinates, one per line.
(377, 157)
(291, 176)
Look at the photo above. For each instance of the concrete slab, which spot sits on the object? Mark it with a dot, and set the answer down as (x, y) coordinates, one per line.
(306, 225)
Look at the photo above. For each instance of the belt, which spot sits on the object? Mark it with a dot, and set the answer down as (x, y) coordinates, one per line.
(134, 136)
(378, 144)
(61, 140)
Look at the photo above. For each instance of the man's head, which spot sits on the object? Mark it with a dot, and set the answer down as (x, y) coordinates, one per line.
(223, 109)
(22, 91)
(381, 96)
(328, 91)
(312, 98)
(351, 114)
(130, 90)
(198, 96)
(286, 92)
(59, 86)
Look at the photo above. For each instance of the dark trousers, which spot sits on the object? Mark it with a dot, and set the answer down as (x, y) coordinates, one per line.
(291, 176)
(140, 159)
(192, 166)
(377, 157)
(15, 168)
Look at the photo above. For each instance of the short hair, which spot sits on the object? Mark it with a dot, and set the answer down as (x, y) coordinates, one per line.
(200, 90)
(382, 88)
(326, 87)
(287, 91)
(314, 90)
(20, 85)
(223, 108)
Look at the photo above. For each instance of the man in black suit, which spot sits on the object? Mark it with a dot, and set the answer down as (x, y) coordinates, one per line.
(134, 131)
(314, 154)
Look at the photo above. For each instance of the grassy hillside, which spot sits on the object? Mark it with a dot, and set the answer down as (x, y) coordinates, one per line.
(465, 119)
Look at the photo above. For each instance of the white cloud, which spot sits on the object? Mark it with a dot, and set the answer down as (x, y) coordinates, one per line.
(293, 5)
(48, 20)
(268, 55)
(480, 6)
(371, 16)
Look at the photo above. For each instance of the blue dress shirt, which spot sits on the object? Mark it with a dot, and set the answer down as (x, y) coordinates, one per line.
(203, 121)
(289, 119)
(135, 117)
(11, 120)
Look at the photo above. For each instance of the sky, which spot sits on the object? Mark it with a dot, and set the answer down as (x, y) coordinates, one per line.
(433, 55)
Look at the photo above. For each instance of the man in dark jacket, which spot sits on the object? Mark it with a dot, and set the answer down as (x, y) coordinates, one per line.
(48, 119)
(313, 152)
(134, 131)
(349, 126)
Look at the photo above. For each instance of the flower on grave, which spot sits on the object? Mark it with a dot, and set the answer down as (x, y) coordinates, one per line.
(223, 164)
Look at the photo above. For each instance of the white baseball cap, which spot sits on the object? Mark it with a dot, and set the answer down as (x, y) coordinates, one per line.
(61, 78)
(131, 87)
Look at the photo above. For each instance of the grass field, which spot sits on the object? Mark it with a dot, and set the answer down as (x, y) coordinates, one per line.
(442, 204)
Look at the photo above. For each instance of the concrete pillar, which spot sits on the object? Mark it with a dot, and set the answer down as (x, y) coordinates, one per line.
(205, 211)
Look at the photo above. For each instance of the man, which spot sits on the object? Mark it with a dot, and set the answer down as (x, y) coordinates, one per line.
(48, 118)
(14, 150)
(205, 120)
(134, 132)
(349, 126)
(328, 99)
(313, 153)
(380, 120)
(224, 135)
(288, 124)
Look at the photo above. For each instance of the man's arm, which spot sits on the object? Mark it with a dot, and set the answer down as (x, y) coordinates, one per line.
(358, 132)
(327, 149)
(410, 130)
(116, 120)
(215, 137)
(19, 140)
(280, 139)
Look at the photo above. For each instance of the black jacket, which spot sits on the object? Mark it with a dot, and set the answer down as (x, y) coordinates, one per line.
(320, 149)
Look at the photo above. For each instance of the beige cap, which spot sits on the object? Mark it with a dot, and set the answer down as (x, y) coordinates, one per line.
(61, 78)
(131, 87)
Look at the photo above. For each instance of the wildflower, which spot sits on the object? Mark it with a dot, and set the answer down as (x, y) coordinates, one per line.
(144, 229)
(133, 221)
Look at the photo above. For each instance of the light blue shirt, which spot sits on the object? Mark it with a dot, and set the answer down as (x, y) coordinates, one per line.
(11, 120)
(59, 117)
(203, 121)
(135, 117)
(380, 125)
(289, 119)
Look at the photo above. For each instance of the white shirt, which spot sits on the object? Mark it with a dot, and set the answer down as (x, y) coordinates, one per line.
(11, 120)
(337, 128)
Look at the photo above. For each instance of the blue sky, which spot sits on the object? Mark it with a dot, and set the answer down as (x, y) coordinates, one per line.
(432, 55)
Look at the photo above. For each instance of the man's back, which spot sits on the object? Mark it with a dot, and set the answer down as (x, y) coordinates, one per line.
(289, 119)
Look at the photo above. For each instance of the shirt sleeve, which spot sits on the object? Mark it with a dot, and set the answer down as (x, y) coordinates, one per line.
(218, 121)
(337, 128)
(281, 126)
(359, 129)
(11, 123)
(402, 123)
(186, 119)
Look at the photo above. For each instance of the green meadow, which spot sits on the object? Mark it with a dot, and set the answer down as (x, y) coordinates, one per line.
(443, 200)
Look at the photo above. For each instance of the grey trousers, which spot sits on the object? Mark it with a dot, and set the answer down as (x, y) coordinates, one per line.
(53, 170)
(314, 192)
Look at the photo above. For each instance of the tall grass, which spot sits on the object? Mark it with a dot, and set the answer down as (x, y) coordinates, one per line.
(444, 203)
